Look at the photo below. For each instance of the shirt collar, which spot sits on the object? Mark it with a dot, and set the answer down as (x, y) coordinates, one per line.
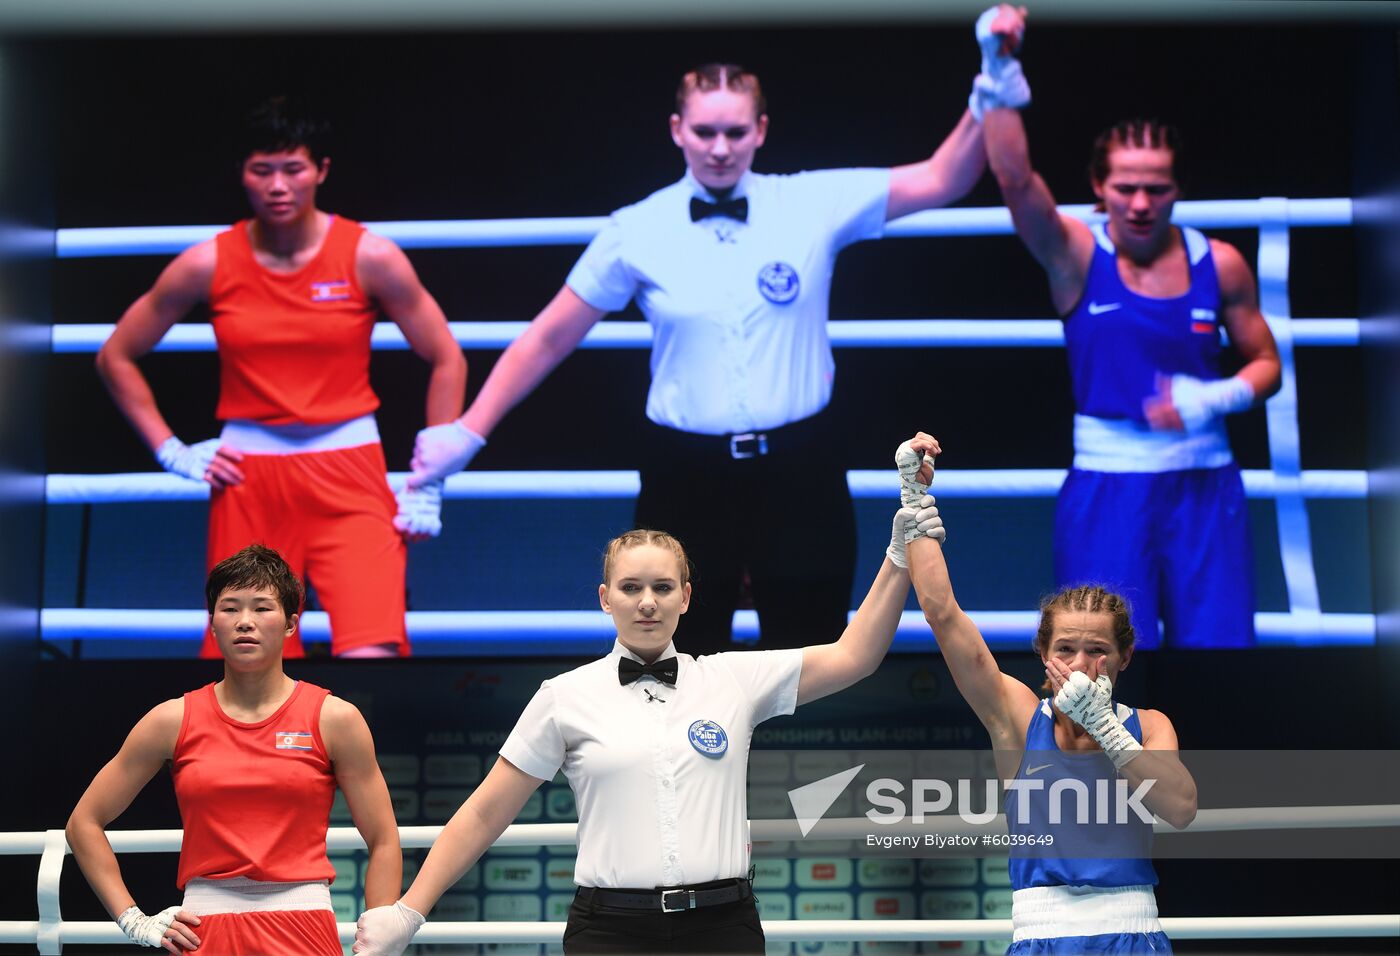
(741, 188)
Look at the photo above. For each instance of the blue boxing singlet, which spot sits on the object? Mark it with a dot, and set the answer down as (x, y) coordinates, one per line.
(1099, 854)
(1118, 341)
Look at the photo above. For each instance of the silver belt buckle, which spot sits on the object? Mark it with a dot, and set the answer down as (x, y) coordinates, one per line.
(759, 442)
(688, 901)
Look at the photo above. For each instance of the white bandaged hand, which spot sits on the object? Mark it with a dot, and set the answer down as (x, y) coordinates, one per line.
(420, 510)
(1001, 84)
(442, 450)
(146, 930)
(1199, 403)
(386, 930)
(912, 488)
(188, 461)
(927, 522)
(900, 535)
(1090, 705)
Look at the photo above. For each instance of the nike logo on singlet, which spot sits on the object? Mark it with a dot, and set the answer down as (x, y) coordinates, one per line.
(1096, 309)
(1030, 771)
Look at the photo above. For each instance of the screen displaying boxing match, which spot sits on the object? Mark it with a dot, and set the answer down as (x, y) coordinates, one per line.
(937, 321)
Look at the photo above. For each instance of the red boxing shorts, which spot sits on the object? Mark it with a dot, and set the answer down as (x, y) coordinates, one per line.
(276, 933)
(330, 514)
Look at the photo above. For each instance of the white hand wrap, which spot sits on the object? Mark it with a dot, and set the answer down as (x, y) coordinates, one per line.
(908, 461)
(386, 930)
(1199, 403)
(902, 533)
(146, 930)
(188, 461)
(927, 522)
(1001, 84)
(1090, 705)
(420, 509)
(442, 450)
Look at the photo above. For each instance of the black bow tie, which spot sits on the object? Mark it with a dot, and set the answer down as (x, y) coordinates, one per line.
(733, 208)
(629, 670)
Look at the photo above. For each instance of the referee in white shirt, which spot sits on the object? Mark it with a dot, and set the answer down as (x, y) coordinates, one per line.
(733, 270)
(655, 746)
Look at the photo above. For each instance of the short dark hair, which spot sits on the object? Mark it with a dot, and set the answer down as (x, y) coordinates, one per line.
(282, 124)
(256, 566)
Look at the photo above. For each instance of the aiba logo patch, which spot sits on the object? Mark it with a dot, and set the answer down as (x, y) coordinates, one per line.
(709, 738)
(779, 283)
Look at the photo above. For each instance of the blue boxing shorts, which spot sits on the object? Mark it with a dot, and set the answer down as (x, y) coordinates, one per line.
(1117, 943)
(1174, 544)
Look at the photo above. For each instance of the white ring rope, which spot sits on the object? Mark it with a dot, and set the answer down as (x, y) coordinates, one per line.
(536, 633)
(49, 932)
(1221, 820)
(871, 484)
(1381, 925)
(78, 338)
(467, 233)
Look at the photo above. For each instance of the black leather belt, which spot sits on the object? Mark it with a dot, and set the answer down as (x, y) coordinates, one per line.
(793, 437)
(670, 899)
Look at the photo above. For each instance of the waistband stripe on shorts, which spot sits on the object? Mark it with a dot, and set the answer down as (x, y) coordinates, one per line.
(1050, 912)
(241, 895)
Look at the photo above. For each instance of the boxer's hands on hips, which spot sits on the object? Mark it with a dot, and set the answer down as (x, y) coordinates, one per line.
(386, 930)
(210, 461)
(170, 929)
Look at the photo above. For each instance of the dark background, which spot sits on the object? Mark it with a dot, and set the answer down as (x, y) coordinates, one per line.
(134, 131)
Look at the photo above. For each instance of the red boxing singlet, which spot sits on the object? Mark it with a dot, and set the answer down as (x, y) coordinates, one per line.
(255, 799)
(293, 347)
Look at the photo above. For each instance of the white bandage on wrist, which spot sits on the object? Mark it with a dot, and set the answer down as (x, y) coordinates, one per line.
(189, 461)
(927, 522)
(1199, 403)
(1001, 84)
(386, 930)
(902, 533)
(146, 930)
(1090, 705)
(420, 509)
(442, 450)
(909, 462)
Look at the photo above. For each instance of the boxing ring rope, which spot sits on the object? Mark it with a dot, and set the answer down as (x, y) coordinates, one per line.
(845, 333)
(50, 931)
(474, 233)
(1286, 483)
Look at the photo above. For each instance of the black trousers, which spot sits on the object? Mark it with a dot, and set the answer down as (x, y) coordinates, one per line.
(782, 520)
(730, 928)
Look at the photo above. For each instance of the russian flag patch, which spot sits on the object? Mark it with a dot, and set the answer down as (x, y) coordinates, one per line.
(1203, 321)
(294, 740)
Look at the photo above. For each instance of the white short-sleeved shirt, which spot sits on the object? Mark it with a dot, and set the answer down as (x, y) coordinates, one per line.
(660, 784)
(738, 310)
